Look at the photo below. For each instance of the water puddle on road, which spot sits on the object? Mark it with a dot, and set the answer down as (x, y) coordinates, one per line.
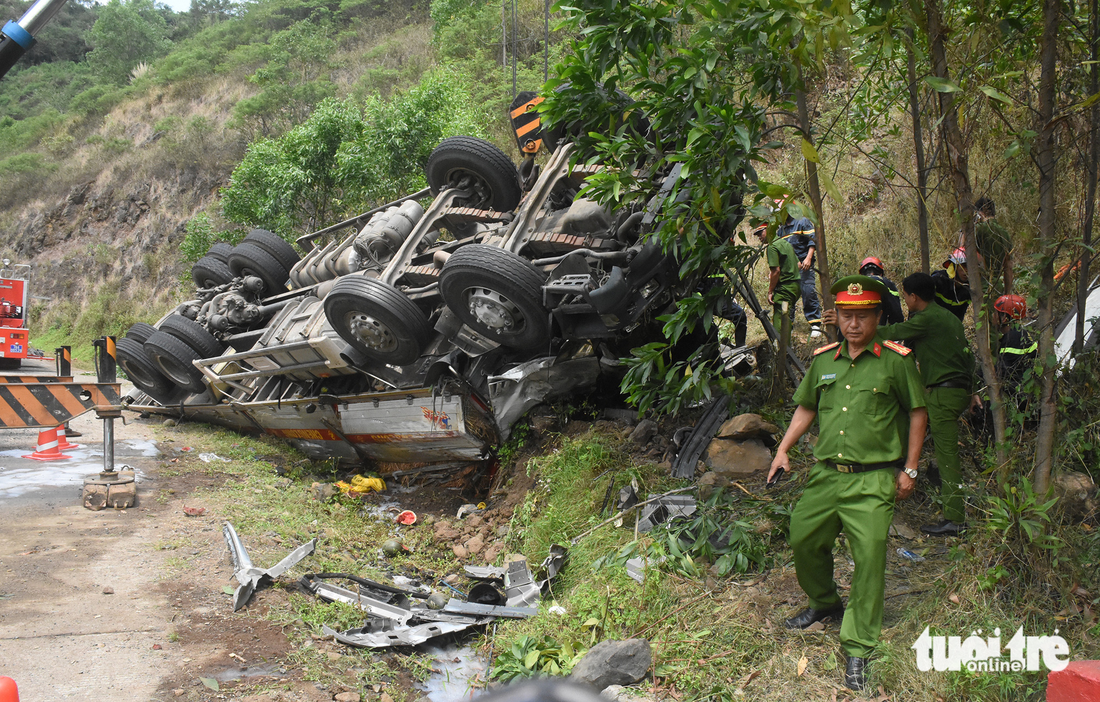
(458, 673)
(268, 670)
(19, 475)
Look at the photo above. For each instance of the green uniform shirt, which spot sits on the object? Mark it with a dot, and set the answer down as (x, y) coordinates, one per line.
(939, 343)
(862, 405)
(781, 255)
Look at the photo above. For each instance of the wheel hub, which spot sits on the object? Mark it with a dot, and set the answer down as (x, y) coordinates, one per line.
(373, 333)
(174, 372)
(495, 311)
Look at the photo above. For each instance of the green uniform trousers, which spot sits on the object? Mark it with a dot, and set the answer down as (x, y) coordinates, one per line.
(945, 406)
(862, 505)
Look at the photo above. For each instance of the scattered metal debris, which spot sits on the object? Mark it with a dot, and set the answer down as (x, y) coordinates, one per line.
(683, 466)
(249, 576)
(636, 567)
(395, 622)
(663, 508)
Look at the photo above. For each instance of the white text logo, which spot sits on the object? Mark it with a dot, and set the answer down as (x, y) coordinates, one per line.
(978, 655)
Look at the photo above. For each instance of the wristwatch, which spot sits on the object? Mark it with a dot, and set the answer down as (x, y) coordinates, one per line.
(911, 472)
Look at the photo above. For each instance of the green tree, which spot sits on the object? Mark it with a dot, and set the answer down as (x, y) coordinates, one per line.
(124, 35)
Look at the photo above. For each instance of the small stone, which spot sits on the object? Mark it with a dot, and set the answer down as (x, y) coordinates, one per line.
(385, 698)
(108, 590)
(501, 531)
(459, 551)
(333, 655)
(171, 423)
(475, 520)
(515, 558)
(710, 482)
(179, 691)
(323, 492)
(644, 432)
(437, 601)
(475, 545)
(614, 663)
(493, 551)
(451, 579)
(347, 697)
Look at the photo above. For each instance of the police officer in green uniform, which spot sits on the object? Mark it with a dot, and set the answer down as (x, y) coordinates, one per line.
(868, 400)
(784, 283)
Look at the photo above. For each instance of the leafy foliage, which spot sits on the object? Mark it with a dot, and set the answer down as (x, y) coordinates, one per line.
(531, 657)
(125, 34)
(342, 159)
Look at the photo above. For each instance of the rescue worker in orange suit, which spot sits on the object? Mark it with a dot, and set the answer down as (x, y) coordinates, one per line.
(953, 284)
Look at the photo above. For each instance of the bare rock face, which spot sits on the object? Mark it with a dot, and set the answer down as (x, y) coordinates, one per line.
(735, 459)
(747, 426)
(614, 663)
(1076, 494)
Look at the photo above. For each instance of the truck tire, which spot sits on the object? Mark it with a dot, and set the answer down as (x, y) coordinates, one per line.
(220, 251)
(275, 245)
(143, 373)
(498, 294)
(173, 358)
(193, 334)
(478, 165)
(249, 259)
(208, 272)
(140, 332)
(377, 319)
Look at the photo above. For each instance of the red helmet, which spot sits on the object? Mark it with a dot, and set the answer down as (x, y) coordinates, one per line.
(958, 257)
(1012, 305)
(872, 261)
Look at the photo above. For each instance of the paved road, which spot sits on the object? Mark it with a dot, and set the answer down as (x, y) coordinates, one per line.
(61, 636)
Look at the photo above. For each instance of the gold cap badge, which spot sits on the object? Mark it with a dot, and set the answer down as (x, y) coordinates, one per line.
(855, 289)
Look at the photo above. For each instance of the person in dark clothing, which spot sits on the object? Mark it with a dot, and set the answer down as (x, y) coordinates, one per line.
(726, 307)
(1016, 350)
(953, 285)
(891, 302)
(994, 244)
(801, 235)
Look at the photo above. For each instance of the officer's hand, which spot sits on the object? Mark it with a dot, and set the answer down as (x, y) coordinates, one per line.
(805, 265)
(771, 298)
(975, 402)
(906, 485)
(829, 317)
(780, 462)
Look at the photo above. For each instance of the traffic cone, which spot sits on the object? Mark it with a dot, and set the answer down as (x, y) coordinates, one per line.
(8, 690)
(64, 445)
(46, 450)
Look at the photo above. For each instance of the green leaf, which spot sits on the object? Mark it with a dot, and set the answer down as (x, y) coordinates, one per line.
(809, 152)
(830, 662)
(995, 94)
(228, 589)
(591, 622)
(211, 683)
(1013, 149)
(829, 185)
(941, 85)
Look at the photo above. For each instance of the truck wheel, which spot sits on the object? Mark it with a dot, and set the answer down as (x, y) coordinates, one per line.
(476, 165)
(220, 251)
(143, 373)
(249, 259)
(208, 272)
(140, 332)
(275, 245)
(193, 334)
(174, 359)
(498, 294)
(378, 319)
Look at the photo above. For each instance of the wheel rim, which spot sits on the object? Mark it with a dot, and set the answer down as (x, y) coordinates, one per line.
(177, 374)
(463, 179)
(494, 311)
(371, 332)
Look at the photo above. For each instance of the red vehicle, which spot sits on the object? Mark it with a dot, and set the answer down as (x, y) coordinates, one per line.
(14, 342)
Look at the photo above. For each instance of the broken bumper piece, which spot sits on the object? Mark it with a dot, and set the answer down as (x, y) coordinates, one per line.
(248, 575)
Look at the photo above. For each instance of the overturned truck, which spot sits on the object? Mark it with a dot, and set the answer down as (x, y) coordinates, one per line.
(425, 332)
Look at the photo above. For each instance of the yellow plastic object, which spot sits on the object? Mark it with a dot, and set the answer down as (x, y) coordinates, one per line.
(361, 484)
(481, 505)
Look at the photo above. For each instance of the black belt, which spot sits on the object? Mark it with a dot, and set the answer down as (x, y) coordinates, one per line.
(861, 467)
(959, 384)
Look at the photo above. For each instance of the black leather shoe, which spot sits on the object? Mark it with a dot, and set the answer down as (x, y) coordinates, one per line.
(855, 675)
(810, 615)
(944, 528)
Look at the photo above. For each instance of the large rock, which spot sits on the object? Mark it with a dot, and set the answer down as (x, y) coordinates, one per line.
(614, 663)
(747, 426)
(1075, 492)
(644, 432)
(735, 459)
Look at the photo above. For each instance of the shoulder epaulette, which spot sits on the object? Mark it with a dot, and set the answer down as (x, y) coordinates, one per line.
(826, 347)
(897, 348)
